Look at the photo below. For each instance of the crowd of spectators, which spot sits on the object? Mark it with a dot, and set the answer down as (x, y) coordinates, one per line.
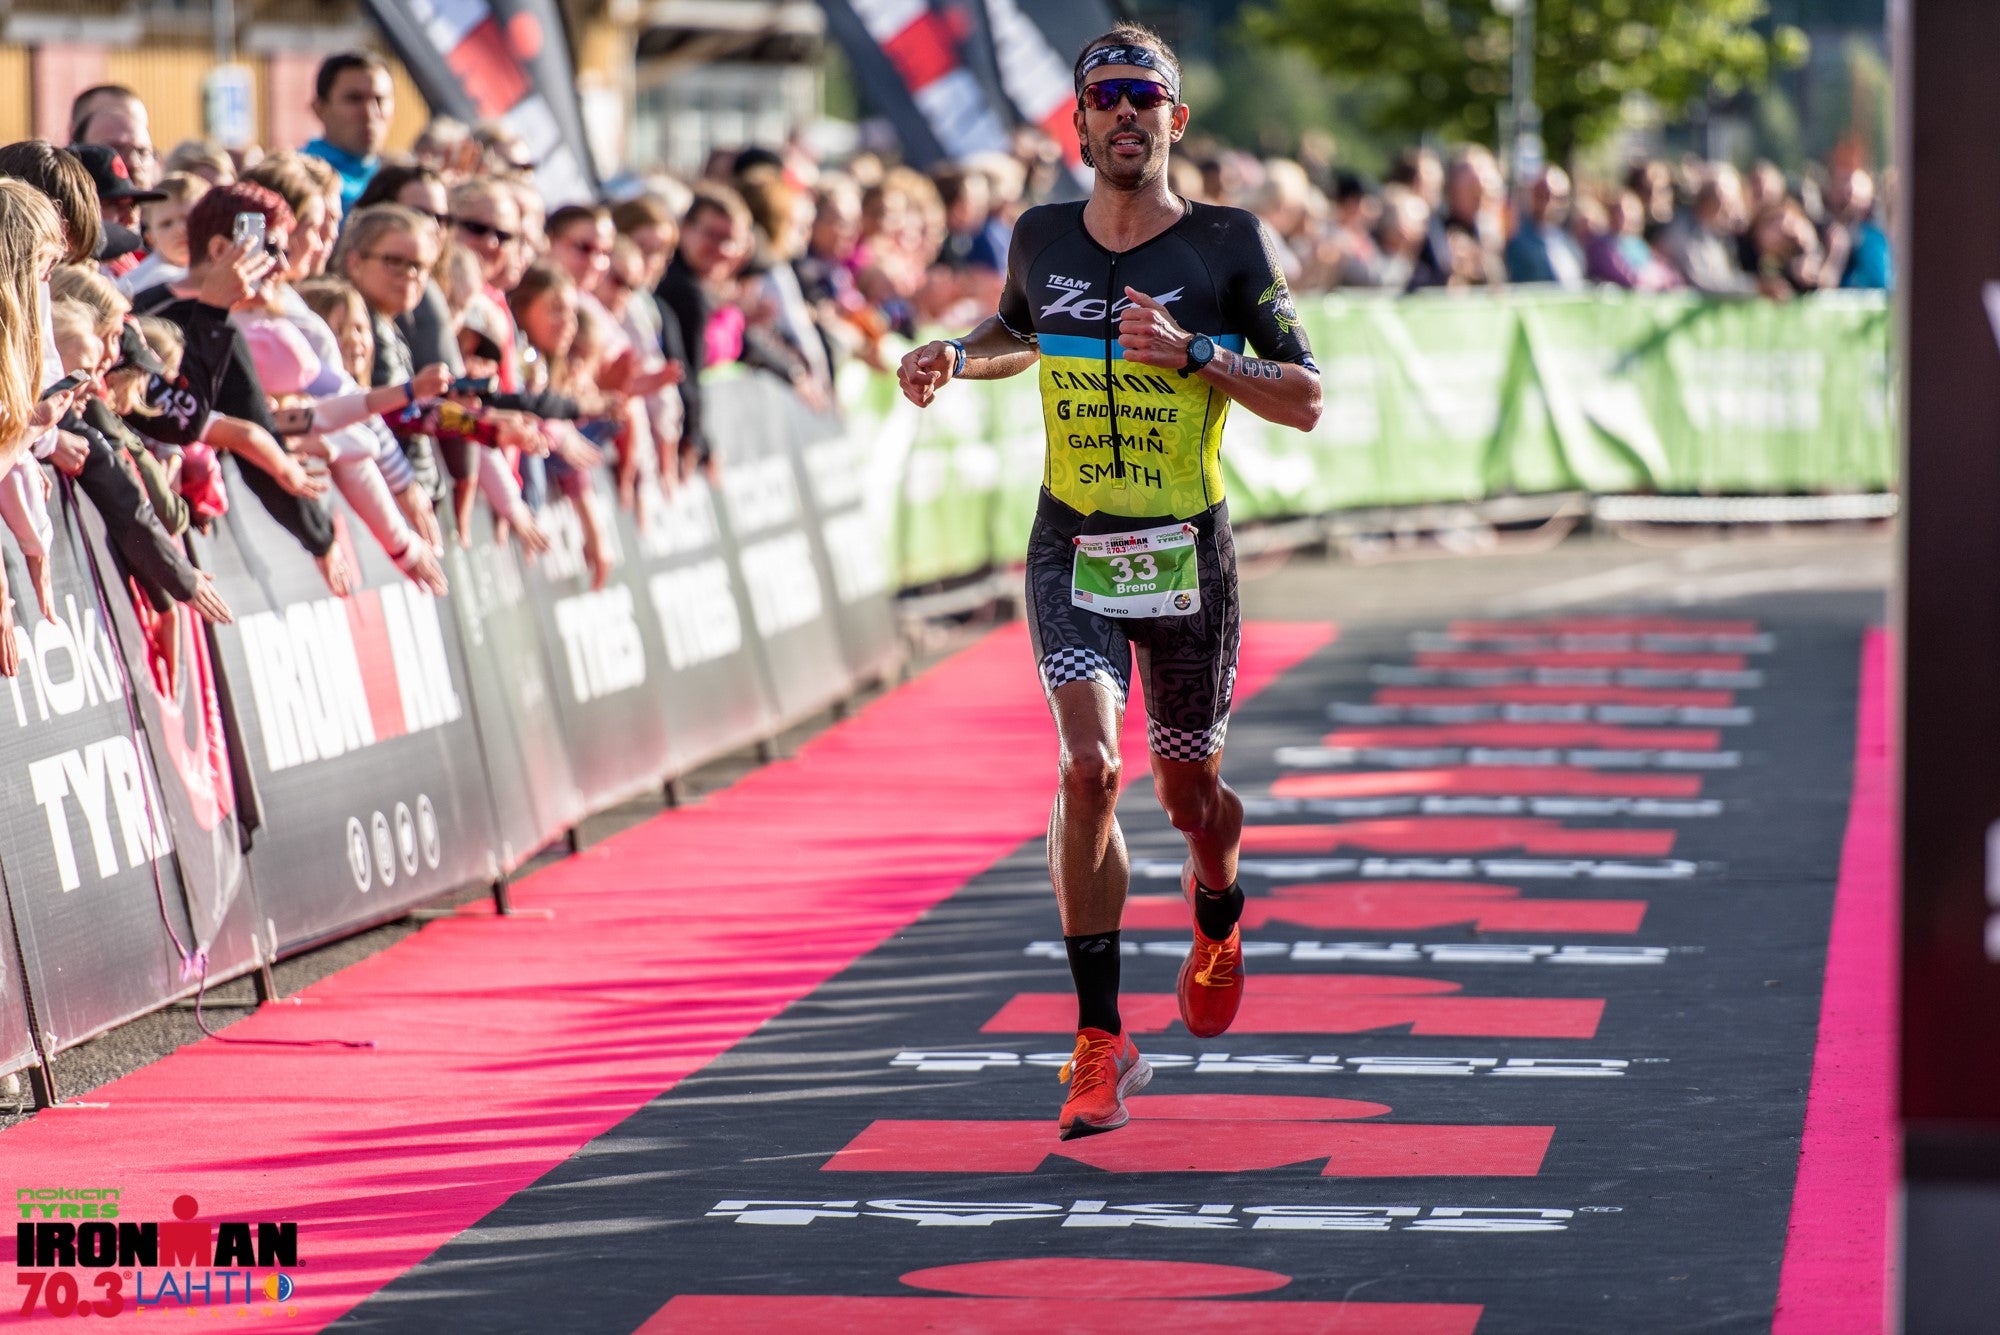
(423, 333)
(1448, 221)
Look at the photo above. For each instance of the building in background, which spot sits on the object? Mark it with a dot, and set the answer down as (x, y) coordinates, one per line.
(167, 49)
(720, 74)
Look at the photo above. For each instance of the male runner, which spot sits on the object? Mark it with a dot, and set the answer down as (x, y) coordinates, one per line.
(1137, 304)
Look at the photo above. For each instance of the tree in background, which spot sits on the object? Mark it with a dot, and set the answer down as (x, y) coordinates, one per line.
(1447, 61)
(1272, 99)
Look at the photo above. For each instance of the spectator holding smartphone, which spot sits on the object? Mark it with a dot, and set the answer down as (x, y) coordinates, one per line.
(224, 401)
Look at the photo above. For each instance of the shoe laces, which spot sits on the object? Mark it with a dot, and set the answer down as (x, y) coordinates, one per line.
(1212, 967)
(1090, 1065)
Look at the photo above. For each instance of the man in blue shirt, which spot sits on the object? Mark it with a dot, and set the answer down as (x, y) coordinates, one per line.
(1853, 229)
(1541, 251)
(355, 100)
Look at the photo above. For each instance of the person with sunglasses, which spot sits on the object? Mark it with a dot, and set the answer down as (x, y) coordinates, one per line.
(1142, 309)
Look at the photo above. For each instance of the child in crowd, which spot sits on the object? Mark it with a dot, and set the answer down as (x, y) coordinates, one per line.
(335, 301)
(149, 351)
(165, 221)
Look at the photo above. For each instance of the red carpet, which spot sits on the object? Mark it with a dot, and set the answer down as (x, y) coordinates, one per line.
(502, 1045)
(1833, 1281)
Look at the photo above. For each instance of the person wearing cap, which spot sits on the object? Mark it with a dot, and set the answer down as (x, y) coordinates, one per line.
(118, 201)
(118, 195)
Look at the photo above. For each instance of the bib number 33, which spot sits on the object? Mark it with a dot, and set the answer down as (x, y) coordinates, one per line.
(1151, 572)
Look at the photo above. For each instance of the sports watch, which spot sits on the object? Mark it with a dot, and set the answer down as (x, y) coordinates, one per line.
(1201, 351)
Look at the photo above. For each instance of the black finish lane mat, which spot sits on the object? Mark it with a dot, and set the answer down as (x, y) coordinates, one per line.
(1537, 922)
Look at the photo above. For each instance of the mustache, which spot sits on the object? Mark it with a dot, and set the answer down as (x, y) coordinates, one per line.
(1145, 136)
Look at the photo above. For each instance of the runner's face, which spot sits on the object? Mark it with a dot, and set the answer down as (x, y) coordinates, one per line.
(1129, 146)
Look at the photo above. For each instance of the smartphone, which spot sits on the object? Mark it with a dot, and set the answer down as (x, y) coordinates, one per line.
(474, 385)
(293, 421)
(249, 231)
(67, 383)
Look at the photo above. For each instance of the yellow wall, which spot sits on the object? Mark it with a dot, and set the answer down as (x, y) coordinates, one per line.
(169, 79)
(412, 112)
(17, 117)
(604, 49)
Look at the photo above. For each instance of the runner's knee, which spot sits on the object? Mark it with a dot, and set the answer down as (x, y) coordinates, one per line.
(1192, 802)
(1090, 779)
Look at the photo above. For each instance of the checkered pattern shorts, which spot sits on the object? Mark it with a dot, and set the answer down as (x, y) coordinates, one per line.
(1187, 665)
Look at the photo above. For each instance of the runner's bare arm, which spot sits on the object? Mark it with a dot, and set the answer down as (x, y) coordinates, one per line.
(991, 353)
(1276, 391)
(1281, 392)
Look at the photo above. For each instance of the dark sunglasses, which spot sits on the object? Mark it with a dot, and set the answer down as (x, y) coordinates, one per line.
(1143, 93)
(484, 229)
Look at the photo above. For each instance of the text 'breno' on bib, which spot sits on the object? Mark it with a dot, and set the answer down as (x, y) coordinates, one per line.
(1148, 573)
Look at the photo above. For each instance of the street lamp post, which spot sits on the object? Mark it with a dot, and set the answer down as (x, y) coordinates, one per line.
(226, 90)
(1524, 118)
(223, 20)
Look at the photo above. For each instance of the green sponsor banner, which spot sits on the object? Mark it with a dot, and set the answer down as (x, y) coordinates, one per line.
(1451, 397)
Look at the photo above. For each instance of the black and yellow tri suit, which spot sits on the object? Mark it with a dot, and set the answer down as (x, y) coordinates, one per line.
(1132, 446)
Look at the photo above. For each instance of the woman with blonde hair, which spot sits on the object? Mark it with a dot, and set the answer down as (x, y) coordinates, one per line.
(387, 252)
(203, 158)
(31, 242)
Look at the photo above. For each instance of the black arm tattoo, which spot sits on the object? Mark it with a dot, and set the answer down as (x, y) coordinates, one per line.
(1252, 368)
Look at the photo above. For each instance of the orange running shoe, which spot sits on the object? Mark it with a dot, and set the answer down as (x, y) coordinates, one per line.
(1211, 981)
(1101, 1072)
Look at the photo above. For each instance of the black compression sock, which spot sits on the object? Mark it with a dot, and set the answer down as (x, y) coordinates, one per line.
(1093, 964)
(1216, 911)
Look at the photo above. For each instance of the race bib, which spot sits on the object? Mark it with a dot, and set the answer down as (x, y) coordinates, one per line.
(1151, 573)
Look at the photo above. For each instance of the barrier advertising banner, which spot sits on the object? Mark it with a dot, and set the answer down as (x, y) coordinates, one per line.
(1436, 399)
(793, 598)
(358, 728)
(90, 869)
(387, 747)
(832, 467)
(17, 1044)
(526, 762)
(717, 695)
(605, 667)
(172, 669)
